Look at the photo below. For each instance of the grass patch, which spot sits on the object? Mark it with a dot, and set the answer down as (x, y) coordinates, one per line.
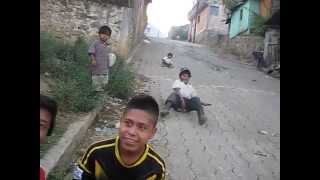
(68, 64)
(121, 82)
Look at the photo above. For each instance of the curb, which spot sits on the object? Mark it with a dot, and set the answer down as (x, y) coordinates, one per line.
(61, 153)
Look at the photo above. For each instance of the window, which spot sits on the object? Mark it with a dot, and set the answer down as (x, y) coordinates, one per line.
(241, 14)
(198, 19)
(214, 10)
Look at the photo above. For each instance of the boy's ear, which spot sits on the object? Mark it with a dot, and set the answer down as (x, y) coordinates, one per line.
(154, 130)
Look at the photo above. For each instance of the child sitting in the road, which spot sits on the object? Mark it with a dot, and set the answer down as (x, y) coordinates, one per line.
(184, 97)
(167, 60)
(48, 112)
(128, 156)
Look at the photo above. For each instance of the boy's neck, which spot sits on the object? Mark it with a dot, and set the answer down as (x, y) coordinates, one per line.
(184, 82)
(104, 42)
(129, 157)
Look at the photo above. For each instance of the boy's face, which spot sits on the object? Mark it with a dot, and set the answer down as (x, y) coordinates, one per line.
(185, 77)
(45, 118)
(136, 128)
(104, 37)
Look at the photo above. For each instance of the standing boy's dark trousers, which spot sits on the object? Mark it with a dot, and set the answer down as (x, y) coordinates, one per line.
(193, 104)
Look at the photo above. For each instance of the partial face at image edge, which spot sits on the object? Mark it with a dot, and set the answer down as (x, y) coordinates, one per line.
(45, 120)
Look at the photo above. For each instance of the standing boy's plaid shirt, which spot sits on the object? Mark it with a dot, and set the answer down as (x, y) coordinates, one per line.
(101, 51)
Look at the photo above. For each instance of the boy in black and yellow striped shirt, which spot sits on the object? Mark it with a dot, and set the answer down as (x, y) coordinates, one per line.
(128, 156)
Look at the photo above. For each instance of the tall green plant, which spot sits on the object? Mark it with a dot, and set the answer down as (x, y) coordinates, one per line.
(259, 25)
(68, 65)
(121, 80)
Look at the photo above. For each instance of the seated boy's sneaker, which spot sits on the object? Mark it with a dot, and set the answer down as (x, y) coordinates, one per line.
(202, 118)
(164, 113)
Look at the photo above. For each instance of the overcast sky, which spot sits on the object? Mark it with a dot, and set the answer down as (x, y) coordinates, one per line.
(166, 13)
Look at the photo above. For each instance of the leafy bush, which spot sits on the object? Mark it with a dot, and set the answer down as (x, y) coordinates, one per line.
(258, 26)
(121, 80)
(68, 65)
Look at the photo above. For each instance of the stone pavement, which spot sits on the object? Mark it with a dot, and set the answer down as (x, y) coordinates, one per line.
(241, 139)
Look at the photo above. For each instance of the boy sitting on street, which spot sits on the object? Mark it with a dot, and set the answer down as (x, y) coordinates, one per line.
(128, 156)
(167, 60)
(184, 97)
(99, 52)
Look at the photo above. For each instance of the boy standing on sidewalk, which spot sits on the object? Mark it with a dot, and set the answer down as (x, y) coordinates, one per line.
(99, 55)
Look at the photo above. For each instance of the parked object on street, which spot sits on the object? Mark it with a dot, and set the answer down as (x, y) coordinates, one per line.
(259, 153)
(263, 132)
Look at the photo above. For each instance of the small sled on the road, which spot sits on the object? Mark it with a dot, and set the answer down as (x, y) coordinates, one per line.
(163, 64)
(205, 104)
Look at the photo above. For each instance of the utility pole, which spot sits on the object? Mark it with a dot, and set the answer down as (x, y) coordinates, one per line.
(195, 24)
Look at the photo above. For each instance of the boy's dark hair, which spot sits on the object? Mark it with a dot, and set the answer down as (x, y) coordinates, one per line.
(170, 54)
(105, 30)
(51, 106)
(185, 70)
(146, 103)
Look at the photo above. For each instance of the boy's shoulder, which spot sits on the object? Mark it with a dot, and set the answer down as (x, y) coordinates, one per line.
(177, 81)
(154, 155)
(102, 145)
(96, 41)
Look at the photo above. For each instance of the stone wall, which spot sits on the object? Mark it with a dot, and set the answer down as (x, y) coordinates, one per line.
(242, 45)
(69, 19)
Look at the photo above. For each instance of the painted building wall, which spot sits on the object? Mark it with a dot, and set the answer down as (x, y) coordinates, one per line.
(265, 7)
(243, 16)
(202, 24)
(216, 22)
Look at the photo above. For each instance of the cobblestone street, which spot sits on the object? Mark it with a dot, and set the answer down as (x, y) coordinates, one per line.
(241, 139)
